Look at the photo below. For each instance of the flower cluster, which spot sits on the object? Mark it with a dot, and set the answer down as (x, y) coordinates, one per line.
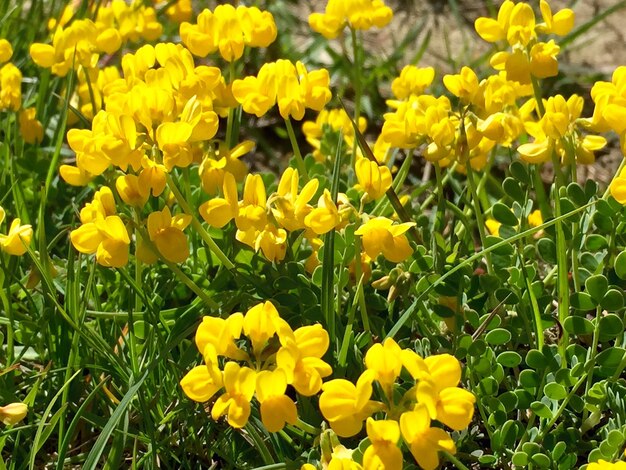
(415, 393)
(228, 30)
(357, 14)
(528, 57)
(11, 96)
(274, 356)
(17, 240)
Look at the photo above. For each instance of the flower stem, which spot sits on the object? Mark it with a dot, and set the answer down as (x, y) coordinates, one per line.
(479, 215)
(198, 226)
(296, 150)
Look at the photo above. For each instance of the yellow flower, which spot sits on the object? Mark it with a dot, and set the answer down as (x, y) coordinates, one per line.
(604, 465)
(373, 179)
(276, 408)
(10, 87)
(6, 51)
(437, 391)
(13, 413)
(493, 226)
(380, 235)
(239, 383)
(383, 453)
(560, 23)
(345, 405)
(535, 219)
(167, 234)
(218, 211)
(325, 216)
(412, 81)
(290, 86)
(259, 324)
(357, 14)
(300, 358)
(107, 237)
(179, 11)
(228, 30)
(339, 121)
(464, 85)
(385, 360)
(252, 211)
(289, 207)
(131, 190)
(30, 128)
(220, 334)
(618, 187)
(17, 240)
(272, 241)
(202, 382)
(423, 441)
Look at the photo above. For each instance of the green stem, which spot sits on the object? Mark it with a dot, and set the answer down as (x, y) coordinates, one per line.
(197, 225)
(307, 427)
(479, 215)
(260, 444)
(452, 459)
(296, 150)
(357, 86)
(176, 270)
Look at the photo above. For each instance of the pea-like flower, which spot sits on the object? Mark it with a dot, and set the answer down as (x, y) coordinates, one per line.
(424, 441)
(166, 232)
(383, 451)
(239, 383)
(290, 86)
(380, 235)
(276, 408)
(17, 240)
(357, 14)
(229, 30)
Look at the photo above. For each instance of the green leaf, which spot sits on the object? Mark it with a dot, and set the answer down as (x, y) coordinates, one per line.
(610, 327)
(555, 391)
(620, 265)
(597, 286)
(596, 242)
(547, 250)
(541, 410)
(513, 189)
(519, 171)
(520, 459)
(582, 301)
(609, 360)
(535, 359)
(576, 325)
(498, 336)
(613, 300)
(509, 359)
(504, 215)
(541, 460)
(576, 194)
(529, 379)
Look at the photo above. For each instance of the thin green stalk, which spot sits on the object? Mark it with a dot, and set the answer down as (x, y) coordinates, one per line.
(261, 446)
(296, 150)
(561, 409)
(197, 225)
(479, 215)
(452, 459)
(356, 67)
(467, 262)
(533, 301)
(591, 357)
